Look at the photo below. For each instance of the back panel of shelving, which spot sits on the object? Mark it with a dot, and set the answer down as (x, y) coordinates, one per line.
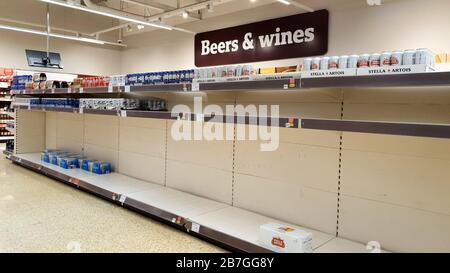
(201, 167)
(30, 132)
(298, 182)
(142, 149)
(101, 138)
(394, 189)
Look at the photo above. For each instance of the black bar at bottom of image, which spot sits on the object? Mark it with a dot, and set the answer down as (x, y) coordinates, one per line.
(220, 262)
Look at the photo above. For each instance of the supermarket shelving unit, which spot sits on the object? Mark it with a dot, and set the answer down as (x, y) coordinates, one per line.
(6, 134)
(361, 126)
(224, 222)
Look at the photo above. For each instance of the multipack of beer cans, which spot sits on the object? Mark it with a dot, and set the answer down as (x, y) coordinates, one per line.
(421, 56)
(55, 102)
(68, 160)
(224, 72)
(160, 78)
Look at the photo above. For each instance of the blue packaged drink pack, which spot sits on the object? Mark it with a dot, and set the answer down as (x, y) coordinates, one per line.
(101, 168)
(88, 165)
(46, 155)
(54, 157)
(68, 163)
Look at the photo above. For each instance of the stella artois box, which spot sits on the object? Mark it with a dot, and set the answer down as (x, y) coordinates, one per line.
(285, 239)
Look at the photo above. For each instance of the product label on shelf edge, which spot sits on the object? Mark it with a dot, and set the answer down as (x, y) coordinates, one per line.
(290, 123)
(122, 199)
(195, 86)
(74, 181)
(292, 83)
(123, 113)
(391, 70)
(195, 227)
(127, 89)
(199, 117)
(110, 88)
(259, 77)
(81, 90)
(329, 73)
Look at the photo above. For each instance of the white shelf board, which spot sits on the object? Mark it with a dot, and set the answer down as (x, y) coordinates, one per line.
(177, 202)
(119, 183)
(339, 245)
(245, 225)
(113, 182)
(75, 173)
(229, 220)
(6, 138)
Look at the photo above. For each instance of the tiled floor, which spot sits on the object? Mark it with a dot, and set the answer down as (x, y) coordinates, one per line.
(38, 214)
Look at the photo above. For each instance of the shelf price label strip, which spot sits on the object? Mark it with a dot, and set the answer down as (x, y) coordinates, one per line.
(373, 127)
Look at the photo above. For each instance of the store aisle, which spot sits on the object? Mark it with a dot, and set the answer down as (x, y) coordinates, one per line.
(39, 214)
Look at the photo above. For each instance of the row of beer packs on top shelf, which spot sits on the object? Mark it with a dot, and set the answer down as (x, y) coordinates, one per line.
(67, 160)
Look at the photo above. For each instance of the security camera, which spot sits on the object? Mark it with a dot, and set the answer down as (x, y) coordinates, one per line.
(119, 41)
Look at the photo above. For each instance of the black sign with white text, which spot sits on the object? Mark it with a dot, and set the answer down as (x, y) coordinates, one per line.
(296, 36)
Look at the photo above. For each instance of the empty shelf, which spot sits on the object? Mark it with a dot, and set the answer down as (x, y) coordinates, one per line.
(245, 225)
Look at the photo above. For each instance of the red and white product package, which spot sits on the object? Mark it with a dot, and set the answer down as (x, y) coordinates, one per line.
(285, 239)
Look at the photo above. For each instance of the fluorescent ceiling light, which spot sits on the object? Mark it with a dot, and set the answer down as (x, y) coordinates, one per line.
(284, 2)
(120, 17)
(81, 39)
(23, 30)
(42, 33)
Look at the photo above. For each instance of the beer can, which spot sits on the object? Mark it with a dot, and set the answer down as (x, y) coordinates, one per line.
(375, 60)
(239, 70)
(397, 58)
(353, 61)
(204, 73)
(324, 62)
(425, 56)
(409, 57)
(224, 71)
(210, 73)
(334, 62)
(364, 60)
(307, 64)
(385, 58)
(315, 64)
(343, 62)
(247, 70)
(231, 71)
